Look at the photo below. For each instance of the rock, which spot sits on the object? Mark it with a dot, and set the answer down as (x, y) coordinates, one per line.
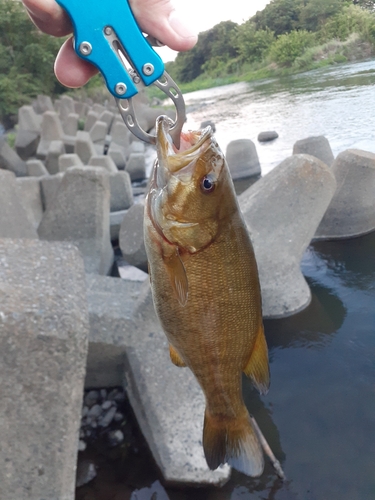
(315, 146)
(131, 237)
(115, 437)
(91, 398)
(91, 118)
(51, 131)
(136, 166)
(26, 143)
(30, 196)
(104, 161)
(154, 492)
(14, 221)
(352, 209)
(121, 191)
(28, 120)
(242, 158)
(69, 160)
(36, 168)
(208, 123)
(269, 135)
(282, 211)
(115, 219)
(84, 147)
(55, 150)
(49, 186)
(95, 411)
(9, 159)
(86, 472)
(43, 349)
(80, 214)
(107, 418)
(98, 108)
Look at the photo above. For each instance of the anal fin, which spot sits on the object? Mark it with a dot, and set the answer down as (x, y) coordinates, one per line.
(175, 357)
(257, 368)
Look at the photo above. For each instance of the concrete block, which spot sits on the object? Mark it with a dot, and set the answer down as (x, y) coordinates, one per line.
(106, 117)
(91, 118)
(124, 330)
(118, 155)
(14, 222)
(242, 158)
(49, 186)
(282, 211)
(28, 119)
(136, 166)
(69, 160)
(120, 134)
(30, 196)
(80, 214)
(55, 150)
(66, 107)
(137, 146)
(98, 131)
(115, 220)
(51, 131)
(36, 168)
(70, 124)
(9, 159)
(26, 143)
(168, 403)
(267, 136)
(131, 237)
(44, 103)
(81, 108)
(315, 146)
(43, 349)
(84, 147)
(104, 161)
(98, 108)
(352, 209)
(121, 191)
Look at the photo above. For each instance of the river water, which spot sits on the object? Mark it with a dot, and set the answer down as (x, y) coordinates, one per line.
(319, 415)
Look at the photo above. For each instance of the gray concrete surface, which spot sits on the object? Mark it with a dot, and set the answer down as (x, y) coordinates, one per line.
(242, 158)
(315, 146)
(131, 237)
(43, 349)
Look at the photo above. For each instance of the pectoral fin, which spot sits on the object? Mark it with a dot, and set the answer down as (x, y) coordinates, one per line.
(257, 367)
(177, 276)
(175, 357)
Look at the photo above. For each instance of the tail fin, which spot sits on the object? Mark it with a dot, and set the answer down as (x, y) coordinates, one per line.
(233, 441)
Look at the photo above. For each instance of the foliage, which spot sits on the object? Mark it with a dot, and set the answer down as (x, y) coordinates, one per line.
(280, 16)
(251, 43)
(289, 46)
(315, 13)
(351, 19)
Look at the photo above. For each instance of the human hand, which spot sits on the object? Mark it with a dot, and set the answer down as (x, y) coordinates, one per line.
(157, 18)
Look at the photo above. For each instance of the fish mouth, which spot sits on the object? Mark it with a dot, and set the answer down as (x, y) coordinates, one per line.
(192, 145)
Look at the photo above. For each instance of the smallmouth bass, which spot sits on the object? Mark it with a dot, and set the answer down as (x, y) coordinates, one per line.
(205, 288)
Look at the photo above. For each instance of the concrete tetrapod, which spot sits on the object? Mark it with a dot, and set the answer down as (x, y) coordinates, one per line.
(43, 348)
(167, 401)
(352, 209)
(282, 211)
(80, 214)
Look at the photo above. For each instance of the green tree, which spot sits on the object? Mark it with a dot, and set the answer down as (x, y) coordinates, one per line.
(252, 44)
(280, 16)
(315, 13)
(26, 59)
(289, 46)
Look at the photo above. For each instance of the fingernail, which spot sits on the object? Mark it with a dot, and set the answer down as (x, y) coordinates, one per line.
(180, 27)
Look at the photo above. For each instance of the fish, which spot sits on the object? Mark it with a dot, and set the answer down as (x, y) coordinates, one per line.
(205, 288)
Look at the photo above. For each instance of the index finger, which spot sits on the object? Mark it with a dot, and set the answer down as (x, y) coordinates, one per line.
(49, 17)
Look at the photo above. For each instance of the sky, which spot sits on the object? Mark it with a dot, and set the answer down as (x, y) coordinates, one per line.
(204, 14)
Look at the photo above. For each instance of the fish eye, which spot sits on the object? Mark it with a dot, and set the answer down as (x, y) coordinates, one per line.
(208, 184)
